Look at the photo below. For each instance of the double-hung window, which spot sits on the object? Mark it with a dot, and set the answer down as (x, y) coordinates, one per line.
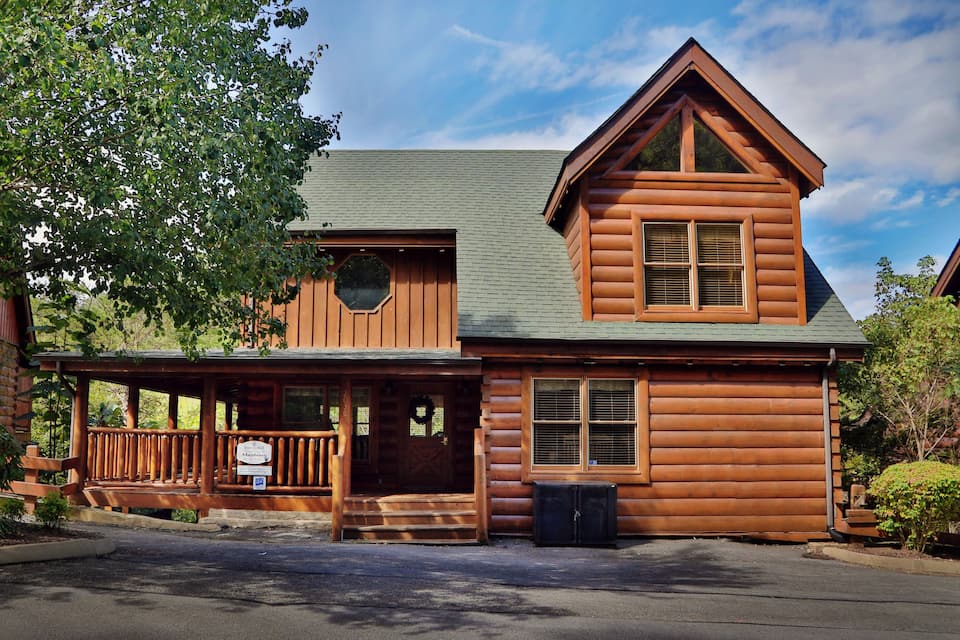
(585, 426)
(694, 267)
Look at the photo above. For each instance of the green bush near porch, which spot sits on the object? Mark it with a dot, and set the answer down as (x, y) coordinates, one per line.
(917, 500)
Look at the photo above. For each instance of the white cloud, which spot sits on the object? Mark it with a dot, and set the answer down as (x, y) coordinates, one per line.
(855, 200)
(949, 197)
(522, 65)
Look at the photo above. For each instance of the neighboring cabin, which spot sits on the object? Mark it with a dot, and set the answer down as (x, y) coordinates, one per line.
(637, 311)
(15, 318)
(948, 283)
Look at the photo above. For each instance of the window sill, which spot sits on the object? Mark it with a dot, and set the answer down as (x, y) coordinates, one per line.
(600, 474)
(678, 315)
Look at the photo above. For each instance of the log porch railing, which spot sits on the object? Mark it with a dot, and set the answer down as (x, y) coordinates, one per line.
(301, 459)
(167, 456)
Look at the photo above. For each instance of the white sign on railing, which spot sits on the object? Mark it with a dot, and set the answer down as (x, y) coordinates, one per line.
(254, 452)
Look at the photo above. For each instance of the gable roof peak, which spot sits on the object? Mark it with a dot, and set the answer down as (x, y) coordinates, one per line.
(691, 56)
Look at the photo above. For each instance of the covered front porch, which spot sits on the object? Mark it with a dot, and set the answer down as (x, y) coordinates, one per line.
(341, 426)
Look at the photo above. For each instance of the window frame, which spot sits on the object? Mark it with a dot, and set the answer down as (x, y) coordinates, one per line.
(391, 287)
(373, 415)
(686, 108)
(695, 312)
(638, 473)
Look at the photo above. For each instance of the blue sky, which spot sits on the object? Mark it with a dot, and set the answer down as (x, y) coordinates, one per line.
(872, 86)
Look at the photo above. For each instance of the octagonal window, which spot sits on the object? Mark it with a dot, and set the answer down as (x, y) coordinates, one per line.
(363, 282)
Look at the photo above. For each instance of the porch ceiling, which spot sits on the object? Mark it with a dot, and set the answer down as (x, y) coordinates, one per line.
(172, 372)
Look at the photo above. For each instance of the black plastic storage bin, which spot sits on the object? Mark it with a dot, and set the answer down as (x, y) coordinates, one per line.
(580, 513)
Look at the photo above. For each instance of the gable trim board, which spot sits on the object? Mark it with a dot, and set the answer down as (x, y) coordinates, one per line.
(691, 57)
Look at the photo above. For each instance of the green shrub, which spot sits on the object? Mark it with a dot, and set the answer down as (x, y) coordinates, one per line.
(52, 510)
(184, 515)
(11, 512)
(916, 500)
(12, 509)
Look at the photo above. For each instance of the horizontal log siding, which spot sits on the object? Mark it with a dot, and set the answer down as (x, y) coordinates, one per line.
(769, 200)
(421, 311)
(511, 504)
(571, 234)
(9, 370)
(733, 451)
(836, 464)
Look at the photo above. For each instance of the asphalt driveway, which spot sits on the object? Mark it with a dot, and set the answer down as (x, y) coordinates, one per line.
(267, 584)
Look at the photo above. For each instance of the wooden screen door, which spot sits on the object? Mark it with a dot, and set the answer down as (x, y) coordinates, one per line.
(426, 428)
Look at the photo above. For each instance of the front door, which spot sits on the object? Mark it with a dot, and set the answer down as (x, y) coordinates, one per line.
(426, 430)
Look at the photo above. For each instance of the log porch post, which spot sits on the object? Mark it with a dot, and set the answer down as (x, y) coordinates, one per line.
(133, 407)
(208, 433)
(78, 430)
(173, 411)
(346, 431)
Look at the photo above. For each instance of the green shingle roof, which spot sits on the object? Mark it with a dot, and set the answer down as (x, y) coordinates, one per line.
(514, 277)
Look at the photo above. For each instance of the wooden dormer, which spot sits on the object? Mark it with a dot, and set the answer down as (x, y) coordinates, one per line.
(684, 205)
(414, 306)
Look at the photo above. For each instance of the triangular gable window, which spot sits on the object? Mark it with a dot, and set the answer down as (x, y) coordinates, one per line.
(711, 155)
(684, 140)
(662, 153)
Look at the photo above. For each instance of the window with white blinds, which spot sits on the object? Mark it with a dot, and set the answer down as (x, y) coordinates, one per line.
(556, 422)
(719, 265)
(613, 422)
(682, 258)
(563, 436)
(666, 261)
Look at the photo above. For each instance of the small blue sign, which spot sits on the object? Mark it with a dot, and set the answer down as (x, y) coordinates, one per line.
(259, 483)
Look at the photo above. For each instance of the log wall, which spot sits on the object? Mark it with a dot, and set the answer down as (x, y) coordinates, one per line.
(770, 199)
(732, 451)
(13, 387)
(421, 311)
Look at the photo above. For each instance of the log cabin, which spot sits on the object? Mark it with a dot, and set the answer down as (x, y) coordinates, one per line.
(15, 320)
(638, 312)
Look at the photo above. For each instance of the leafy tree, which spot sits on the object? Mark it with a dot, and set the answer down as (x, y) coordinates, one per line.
(910, 379)
(151, 151)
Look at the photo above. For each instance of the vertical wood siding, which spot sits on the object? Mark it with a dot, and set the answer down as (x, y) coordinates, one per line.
(421, 311)
(731, 451)
(771, 201)
(9, 327)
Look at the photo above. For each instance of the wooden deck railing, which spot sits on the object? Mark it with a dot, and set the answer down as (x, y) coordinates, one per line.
(143, 455)
(30, 488)
(302, 460)
(480, 483)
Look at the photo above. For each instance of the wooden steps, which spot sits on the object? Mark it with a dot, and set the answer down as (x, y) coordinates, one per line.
(420, 518)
